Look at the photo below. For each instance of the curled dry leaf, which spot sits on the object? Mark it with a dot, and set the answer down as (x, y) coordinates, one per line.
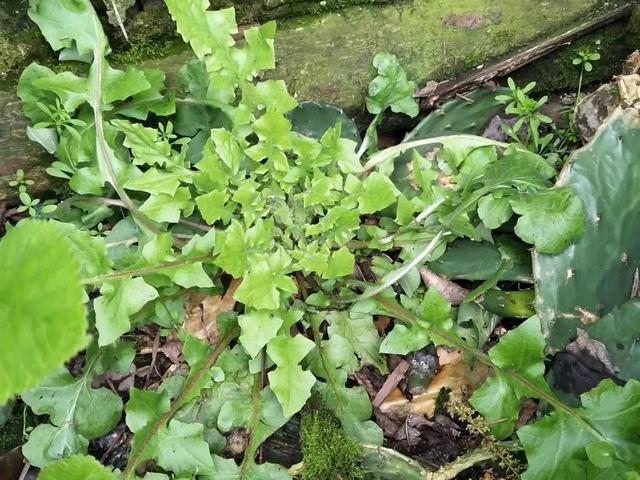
(455, 375)
(201, 312)
(584, 345)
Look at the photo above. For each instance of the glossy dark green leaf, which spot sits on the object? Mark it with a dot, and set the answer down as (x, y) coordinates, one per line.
(620, 333)
(469, 260)
(596, 275)
(313, 119)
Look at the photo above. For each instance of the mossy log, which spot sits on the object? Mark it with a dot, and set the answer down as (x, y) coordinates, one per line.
(328, 57)
(257, 10)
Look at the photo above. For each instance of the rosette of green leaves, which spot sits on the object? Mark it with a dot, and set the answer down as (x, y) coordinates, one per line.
(276, 202)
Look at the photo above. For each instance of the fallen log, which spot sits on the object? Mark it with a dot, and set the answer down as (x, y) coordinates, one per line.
(435, 93)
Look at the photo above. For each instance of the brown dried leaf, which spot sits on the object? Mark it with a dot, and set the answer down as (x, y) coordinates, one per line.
(201, 312)
(472, 22)
(527, 412)
(585, 345)
(391, 383)
(455, 375)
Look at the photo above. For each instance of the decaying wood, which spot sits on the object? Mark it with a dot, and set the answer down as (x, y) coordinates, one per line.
(435, 93)
(392, 382)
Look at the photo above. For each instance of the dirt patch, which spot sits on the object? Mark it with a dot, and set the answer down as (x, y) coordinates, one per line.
(472, 22)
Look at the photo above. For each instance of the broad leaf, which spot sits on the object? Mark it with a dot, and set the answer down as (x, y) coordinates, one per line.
(155, 182)
(258, 328)
(190, 274)
(205, 30)
(359, 330)
(521, 350)
(78, 412)
(178, 447)
(375, 193)
(41, 304)
(402, 340)
(391, 88)
(266, 282)
(54, 18)
(77, 467)
(145, 143)
(168, 208)
(118, 301)
(551, 220)
(291, 384)
(596, 275)
(561, 446)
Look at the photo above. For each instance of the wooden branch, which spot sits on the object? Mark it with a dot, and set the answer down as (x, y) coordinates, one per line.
(434, 93)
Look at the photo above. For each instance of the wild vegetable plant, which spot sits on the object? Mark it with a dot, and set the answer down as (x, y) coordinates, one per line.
(211, 188)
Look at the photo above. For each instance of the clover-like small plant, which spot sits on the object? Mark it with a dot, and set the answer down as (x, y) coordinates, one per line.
(30, 205)
(21, 182)
(584, 59)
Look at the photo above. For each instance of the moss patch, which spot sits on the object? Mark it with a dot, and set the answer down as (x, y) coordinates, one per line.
(249, 11)
(329, 454)
(12, 57)
(329, 58)
(556, 71)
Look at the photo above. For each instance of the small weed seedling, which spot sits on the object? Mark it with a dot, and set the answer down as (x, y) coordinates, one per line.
(526, 129)
(584, 60)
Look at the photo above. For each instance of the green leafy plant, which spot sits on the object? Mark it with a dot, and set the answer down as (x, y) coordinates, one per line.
(30, 205)
(212, 182)
(529, 119)
(21, 182)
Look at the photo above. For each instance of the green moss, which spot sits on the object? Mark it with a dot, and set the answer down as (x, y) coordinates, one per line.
(152, 35)
(12, 57)
(329, 58)
(140, 53)
(329, 454)
(249, 11)
(557, 72)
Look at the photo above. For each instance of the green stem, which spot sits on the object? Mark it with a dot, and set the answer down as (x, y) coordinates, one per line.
(420, 218)
(138, 449)
(392, 152)
(404, 315)
(365, 141)
(114, 202)
(101, 142)
(250, 451)
(575, 107)
(396, 275)
(317, 338)
(136, 272)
